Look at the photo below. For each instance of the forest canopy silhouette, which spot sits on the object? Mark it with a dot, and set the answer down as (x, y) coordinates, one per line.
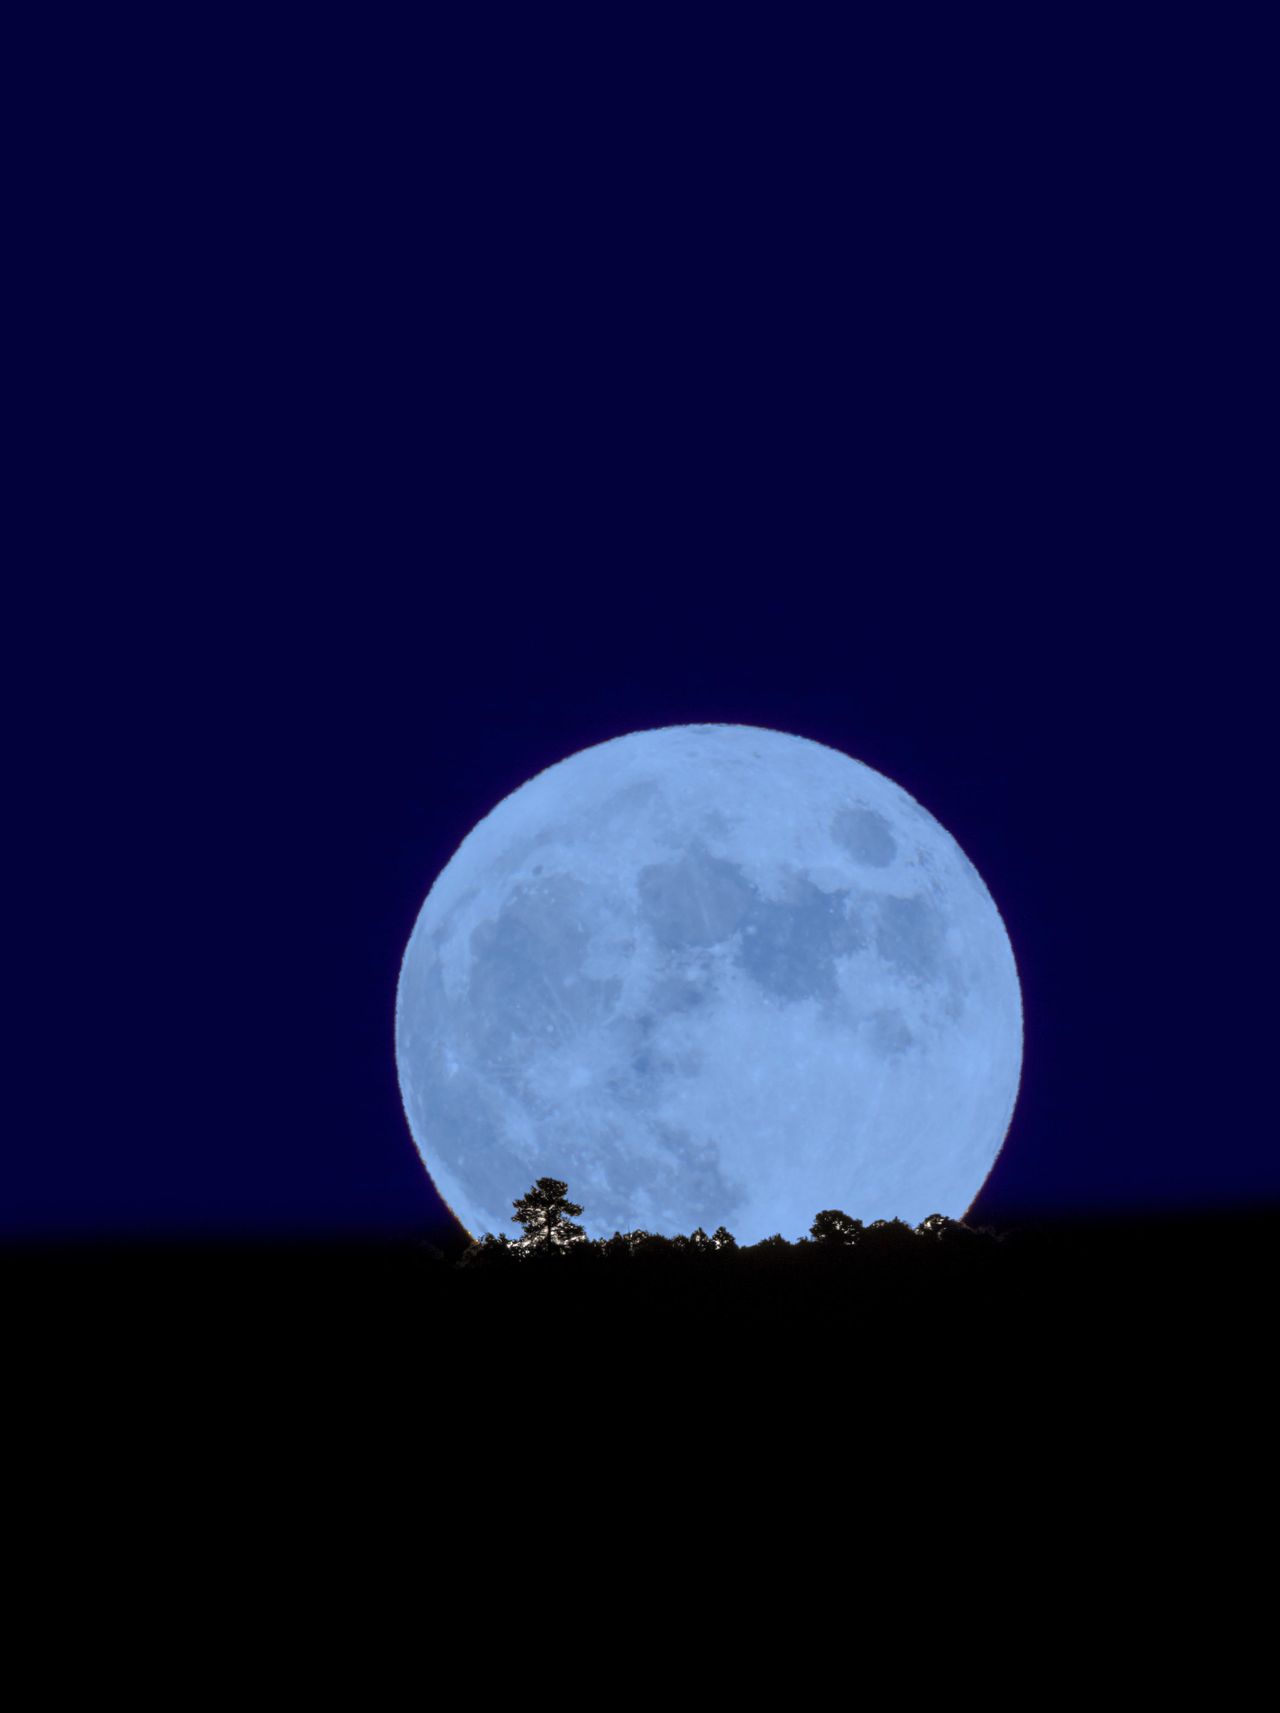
(548, 1230)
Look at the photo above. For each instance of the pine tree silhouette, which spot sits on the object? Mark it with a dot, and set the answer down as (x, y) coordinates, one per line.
(547, 1216)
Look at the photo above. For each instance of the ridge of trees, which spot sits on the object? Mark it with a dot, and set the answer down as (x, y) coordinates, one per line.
(547, 1219)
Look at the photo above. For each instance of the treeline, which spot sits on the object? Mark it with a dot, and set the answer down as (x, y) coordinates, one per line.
(1065, 1295)
(549, 1232)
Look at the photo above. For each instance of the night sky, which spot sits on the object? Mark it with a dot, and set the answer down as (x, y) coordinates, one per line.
(407, 431)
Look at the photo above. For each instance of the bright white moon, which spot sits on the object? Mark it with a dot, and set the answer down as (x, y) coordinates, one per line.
(709, 975)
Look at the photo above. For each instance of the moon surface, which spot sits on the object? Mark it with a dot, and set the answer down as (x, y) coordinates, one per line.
(709, 975)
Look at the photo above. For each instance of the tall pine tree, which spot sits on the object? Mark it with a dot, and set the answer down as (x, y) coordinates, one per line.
(547, 1216)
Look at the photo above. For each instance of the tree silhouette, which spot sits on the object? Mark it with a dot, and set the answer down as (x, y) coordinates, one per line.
(547, 1215)
(696, 1243)
(887, 1239)
(493, 1250)
(832, 1226)
(936, 1225)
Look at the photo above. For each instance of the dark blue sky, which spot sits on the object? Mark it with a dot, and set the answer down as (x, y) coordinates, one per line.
(399, 441)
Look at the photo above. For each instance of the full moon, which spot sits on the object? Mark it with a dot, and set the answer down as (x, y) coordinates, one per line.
(709, 975)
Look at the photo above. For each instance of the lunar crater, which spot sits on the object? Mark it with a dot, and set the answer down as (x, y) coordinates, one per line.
(698, 900)
(866, 836)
